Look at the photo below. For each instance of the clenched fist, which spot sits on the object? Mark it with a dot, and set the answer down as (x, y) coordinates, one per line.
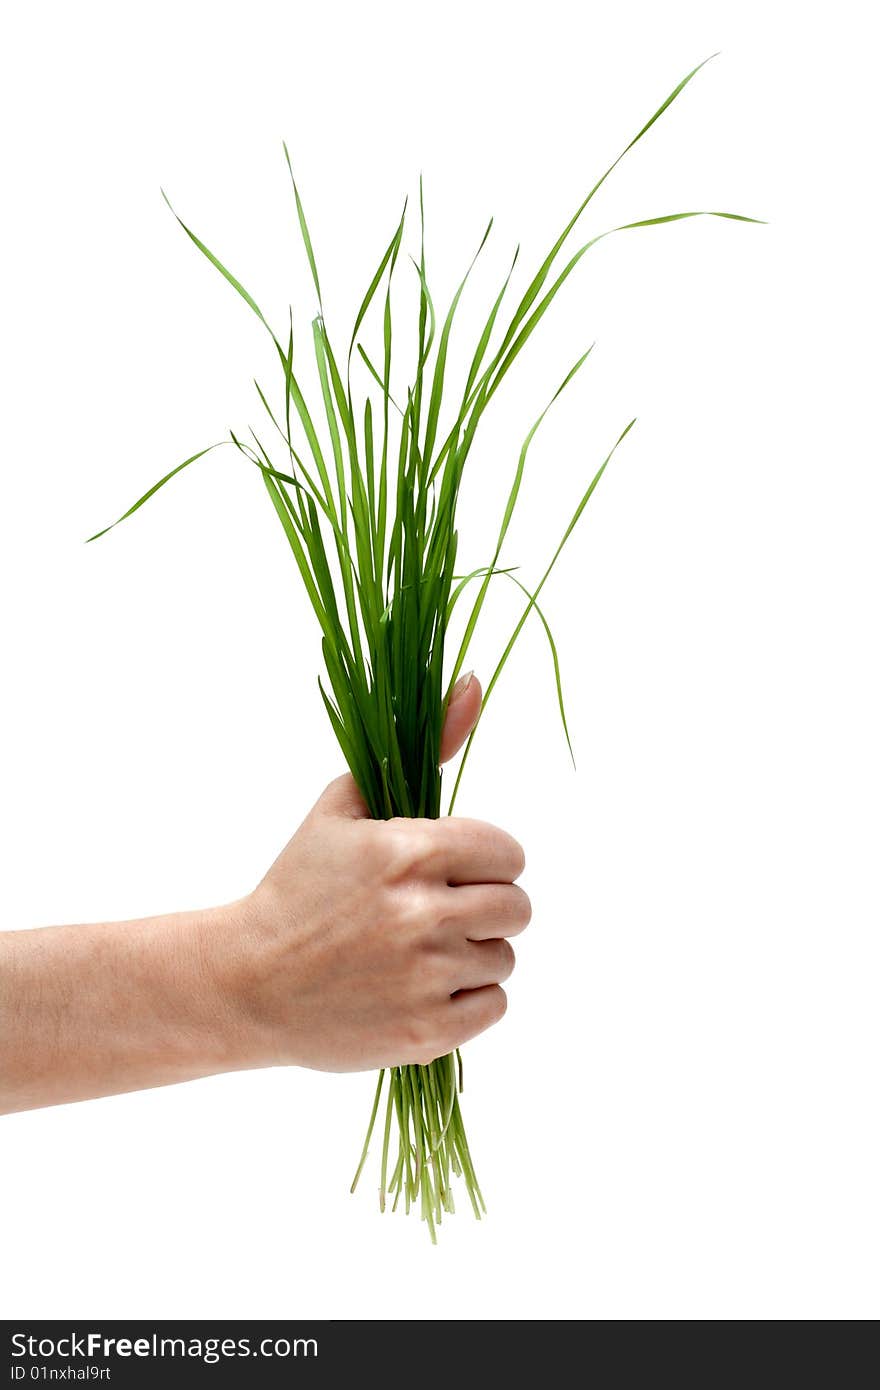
(367, 944)
(379, 942)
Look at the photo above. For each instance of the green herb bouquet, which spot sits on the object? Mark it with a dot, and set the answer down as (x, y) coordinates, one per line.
(366, 483)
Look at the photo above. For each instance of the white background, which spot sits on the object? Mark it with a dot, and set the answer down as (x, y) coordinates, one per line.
(678, 1117)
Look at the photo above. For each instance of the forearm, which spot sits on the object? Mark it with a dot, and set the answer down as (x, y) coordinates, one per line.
(94, 1010)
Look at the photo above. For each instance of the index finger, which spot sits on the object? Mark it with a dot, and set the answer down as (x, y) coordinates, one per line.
(472, 851)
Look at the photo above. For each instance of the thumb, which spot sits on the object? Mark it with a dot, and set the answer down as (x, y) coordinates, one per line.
(462, 713)
(343, 799)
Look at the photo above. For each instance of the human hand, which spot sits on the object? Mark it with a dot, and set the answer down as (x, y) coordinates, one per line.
(374, 943)
(368, 943)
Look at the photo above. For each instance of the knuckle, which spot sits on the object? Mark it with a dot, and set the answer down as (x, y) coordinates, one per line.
(420, 1041)
(523, 910)
(507, 961)
(375, 848)
(396, 848)
(497, 1005)
(501, 845)
(334, 787)
(414, 907)
(518, 857)
(471, 839)
(411, 847)
(430, 969)
(410, 914)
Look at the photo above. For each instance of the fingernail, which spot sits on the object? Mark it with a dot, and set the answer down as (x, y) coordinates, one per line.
(462, 684)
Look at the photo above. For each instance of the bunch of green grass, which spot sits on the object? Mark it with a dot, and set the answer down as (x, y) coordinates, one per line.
(367, 494)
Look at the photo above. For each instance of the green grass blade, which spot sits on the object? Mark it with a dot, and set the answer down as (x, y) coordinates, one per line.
(373, 1114)
(503, 363)
(536, 284)
(512, 499)
(330, 412)
(554, 656)
(508, 573)
(442, 350)
(530, 605)
(461, 582)
(299, 554)
(389, 257)
(377, 378)
(294, 392)
(432, 316)
(227, 274)
(307, 240)
(486, 334)
(155, 488)
(681, 216)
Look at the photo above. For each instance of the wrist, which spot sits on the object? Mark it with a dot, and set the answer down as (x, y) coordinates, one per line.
(229, 960)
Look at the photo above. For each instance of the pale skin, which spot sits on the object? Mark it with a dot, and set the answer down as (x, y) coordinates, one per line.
(367, 944)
